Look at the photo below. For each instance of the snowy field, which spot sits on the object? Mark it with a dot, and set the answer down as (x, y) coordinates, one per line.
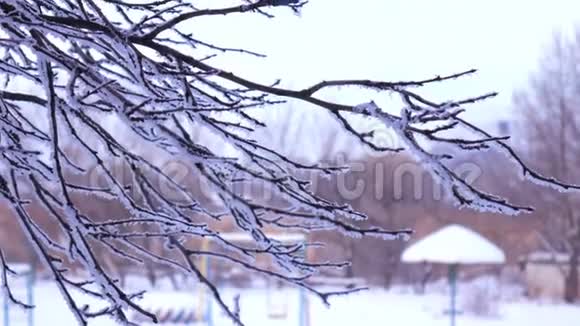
(398, 306)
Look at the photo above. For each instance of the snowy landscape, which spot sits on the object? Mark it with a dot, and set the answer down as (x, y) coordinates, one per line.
(289, 162)
(399, 305)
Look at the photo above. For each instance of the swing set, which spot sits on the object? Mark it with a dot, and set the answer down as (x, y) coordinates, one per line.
(276, 296)
(277, 299)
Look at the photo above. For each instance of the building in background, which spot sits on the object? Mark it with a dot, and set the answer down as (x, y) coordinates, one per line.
(545, 274)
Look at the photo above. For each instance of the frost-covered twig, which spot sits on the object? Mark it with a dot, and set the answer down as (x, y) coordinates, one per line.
(120, 81)
(7, 292)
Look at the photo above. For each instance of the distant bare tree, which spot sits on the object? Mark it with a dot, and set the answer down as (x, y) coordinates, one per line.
(88, 63)
(551, 125)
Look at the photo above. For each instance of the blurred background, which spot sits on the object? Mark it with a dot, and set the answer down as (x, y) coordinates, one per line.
(528, 51)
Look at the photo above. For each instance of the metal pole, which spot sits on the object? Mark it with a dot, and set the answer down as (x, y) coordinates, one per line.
(304, 306)
(301, 308)
(209, 297)
(31, 277)
(453, 291)
(6, 309)
(210, 301)
(304, 313)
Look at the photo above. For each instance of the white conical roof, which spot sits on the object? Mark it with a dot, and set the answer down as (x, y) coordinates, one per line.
(454, 244)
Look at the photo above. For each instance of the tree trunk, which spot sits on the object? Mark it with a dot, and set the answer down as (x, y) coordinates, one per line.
(571, 282)
(350, 253)
(387, 279)
(150, 272)
(427, 272)
(350, 269)
(149, 265)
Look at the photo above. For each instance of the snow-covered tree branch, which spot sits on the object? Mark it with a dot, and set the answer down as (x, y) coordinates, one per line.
(117, 79)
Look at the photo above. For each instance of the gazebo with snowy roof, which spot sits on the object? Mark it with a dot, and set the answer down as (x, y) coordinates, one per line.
(454, 245)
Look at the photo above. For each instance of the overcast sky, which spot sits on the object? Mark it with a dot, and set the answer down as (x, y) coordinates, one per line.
(400, 39)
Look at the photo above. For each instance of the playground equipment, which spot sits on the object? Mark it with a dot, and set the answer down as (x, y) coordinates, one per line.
(197, 307)
(168, 316)
(276, 296)
(454, 245)
(26, 272)
(205, 301)
(277, 302)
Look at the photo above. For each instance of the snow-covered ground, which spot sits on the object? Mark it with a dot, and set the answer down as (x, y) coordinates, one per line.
(399, 306)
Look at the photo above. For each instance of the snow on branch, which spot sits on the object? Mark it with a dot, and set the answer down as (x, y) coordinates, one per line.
(118, 80)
